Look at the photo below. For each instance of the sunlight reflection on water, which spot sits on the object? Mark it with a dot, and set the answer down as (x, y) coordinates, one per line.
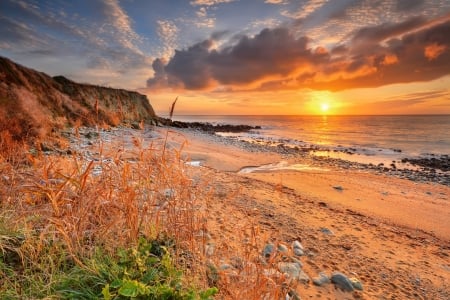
(280, 166)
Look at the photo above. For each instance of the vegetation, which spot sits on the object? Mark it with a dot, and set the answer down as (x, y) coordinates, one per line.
(112, 227)
(123, 220)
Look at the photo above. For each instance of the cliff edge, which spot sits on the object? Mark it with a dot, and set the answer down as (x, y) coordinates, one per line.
(33, 104)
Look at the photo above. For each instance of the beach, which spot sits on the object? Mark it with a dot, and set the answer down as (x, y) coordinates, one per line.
(391, 234)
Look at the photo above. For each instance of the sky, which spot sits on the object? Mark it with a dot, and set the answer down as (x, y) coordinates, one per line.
(249, 57)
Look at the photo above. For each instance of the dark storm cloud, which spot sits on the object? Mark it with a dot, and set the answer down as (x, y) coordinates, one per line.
(413, 50)
(419, 56)
(271, 52)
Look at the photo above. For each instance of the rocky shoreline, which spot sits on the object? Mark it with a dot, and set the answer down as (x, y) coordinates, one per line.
(207, 127)
(434, 169)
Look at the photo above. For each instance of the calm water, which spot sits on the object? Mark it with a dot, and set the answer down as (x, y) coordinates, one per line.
(376, 137)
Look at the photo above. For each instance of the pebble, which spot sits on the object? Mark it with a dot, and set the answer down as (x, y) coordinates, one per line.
(321, 280)
(338, 188)
(282, 248)
(268, 250)
(294, 271)
(298, 249)
(356, 283)
(326, 231)
(209, 249)
(342, 282)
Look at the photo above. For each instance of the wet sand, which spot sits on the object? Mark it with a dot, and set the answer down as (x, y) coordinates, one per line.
(392, 234)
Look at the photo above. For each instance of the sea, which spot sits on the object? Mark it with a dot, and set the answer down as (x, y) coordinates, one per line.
(364, 139)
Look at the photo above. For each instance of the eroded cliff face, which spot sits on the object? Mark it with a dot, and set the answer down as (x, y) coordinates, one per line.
(33, 104)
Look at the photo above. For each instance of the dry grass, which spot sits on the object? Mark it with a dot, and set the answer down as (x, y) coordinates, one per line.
(113, 197)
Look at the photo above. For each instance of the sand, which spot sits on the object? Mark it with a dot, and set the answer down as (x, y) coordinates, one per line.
(392, 234)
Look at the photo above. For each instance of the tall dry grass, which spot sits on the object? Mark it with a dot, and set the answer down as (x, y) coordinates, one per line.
(109, 198)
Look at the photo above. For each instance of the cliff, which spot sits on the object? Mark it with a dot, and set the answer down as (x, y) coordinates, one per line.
(33, 104)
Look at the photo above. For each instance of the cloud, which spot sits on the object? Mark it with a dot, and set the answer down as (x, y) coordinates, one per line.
(434, 50)
(419, 56)
(209, 2)
(384, 31)
(305, 10)
(272, 52)
(413, 50)
(275, 1)
(122, 28)
(168, 34)
(407, 5)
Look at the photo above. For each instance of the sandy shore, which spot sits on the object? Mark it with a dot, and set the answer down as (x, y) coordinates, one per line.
(392, 234)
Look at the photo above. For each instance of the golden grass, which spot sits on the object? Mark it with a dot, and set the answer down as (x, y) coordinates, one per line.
(112, 197)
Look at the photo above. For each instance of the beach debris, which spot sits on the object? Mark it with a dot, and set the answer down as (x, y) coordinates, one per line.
(342, 282)
(298, 249)
(338, 188)
(321, 280)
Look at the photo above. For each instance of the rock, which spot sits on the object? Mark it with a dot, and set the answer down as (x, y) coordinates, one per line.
(209, 249)
(212, 275)
(294, 260)
(169, 193)
(338, 188)
(290, 269)
(282, 248)
(237, 262)
(294, 271)
(298, 249)
(268, 250)
(297, 244)
(303, 277)
(292, 295)
(321, 280)
(136, 125)
(326, 231)
(356, 283)
(225, 267)
(342, 282)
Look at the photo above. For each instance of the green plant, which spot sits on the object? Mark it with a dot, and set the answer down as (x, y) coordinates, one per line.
(145, 271)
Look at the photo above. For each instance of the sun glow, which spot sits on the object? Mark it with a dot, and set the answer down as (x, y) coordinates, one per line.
(324, 107)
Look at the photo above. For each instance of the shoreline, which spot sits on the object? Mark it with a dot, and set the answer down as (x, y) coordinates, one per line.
(329, 169)
(393, 234)
(435, 169)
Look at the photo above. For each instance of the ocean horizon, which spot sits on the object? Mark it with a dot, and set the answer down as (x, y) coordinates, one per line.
(373, 138)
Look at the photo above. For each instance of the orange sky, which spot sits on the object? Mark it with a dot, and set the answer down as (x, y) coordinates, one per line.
(244, 57)
(408, 98)
(389, 68)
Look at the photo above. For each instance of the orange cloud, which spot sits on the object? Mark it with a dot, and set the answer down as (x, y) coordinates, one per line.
(434, 50)
(278, 59)
(389, 59)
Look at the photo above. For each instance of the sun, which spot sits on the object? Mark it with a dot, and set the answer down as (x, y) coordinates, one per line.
(324, 107)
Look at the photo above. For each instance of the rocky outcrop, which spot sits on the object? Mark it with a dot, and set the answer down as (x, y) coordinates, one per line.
(207, 127)
(33, 104)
